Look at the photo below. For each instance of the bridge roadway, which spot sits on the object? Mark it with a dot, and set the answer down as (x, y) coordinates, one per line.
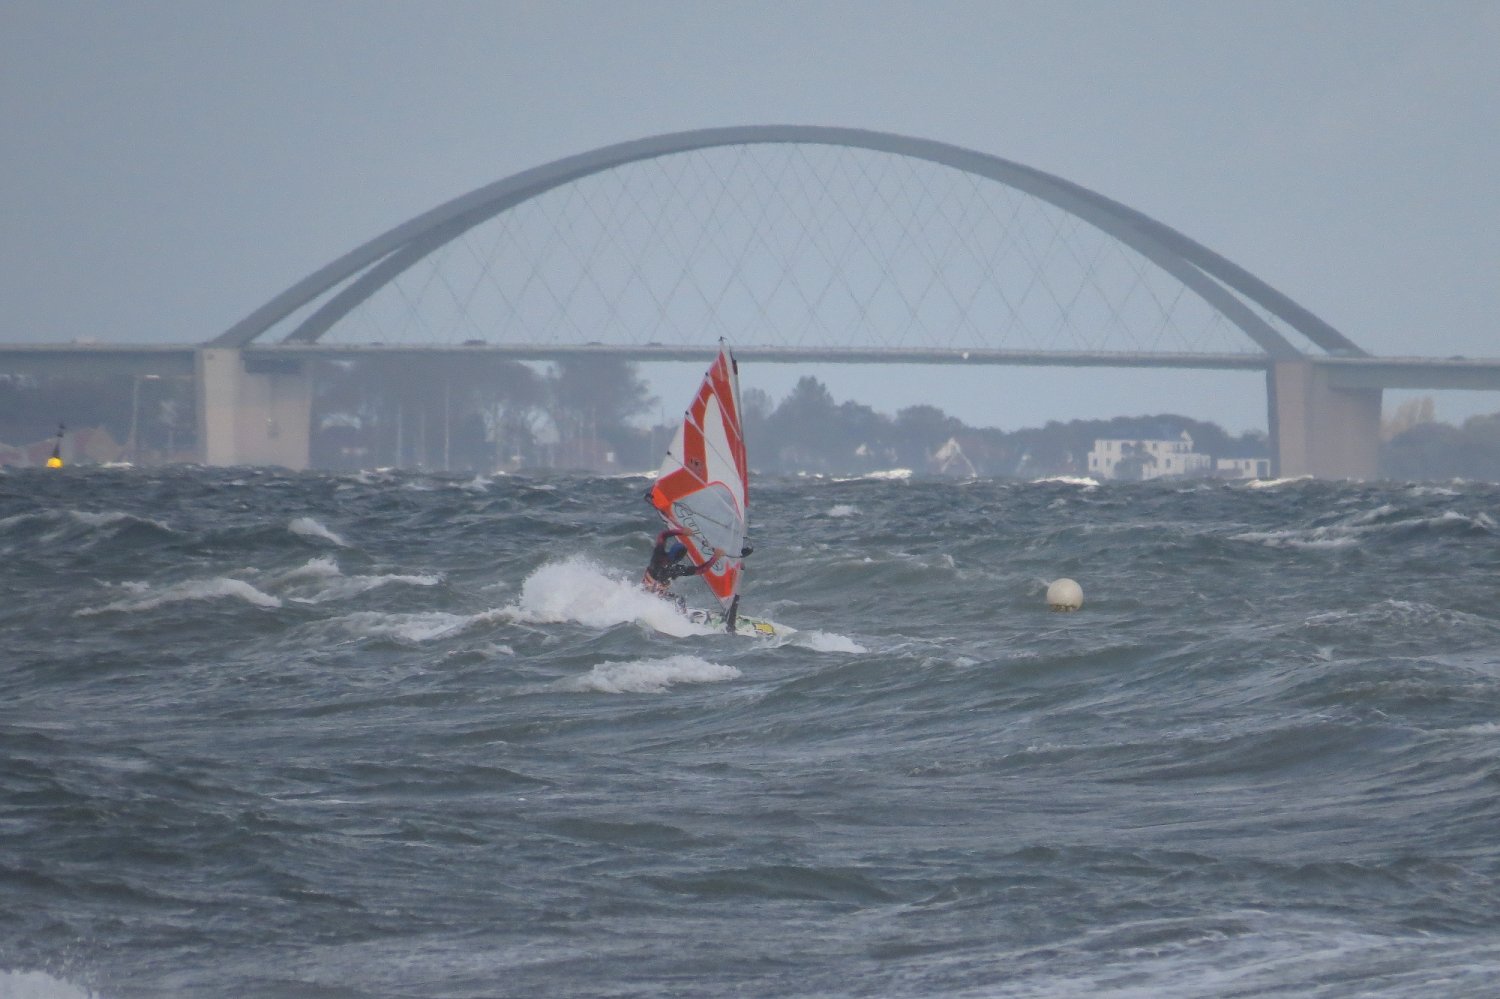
(255, 402)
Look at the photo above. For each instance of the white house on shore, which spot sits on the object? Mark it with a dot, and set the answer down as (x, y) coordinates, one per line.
(1140, 460)
(1243, 468)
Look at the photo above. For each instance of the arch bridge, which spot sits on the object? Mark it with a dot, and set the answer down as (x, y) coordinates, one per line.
(977, 260)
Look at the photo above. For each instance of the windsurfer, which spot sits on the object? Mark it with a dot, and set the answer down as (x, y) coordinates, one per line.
(667, 564)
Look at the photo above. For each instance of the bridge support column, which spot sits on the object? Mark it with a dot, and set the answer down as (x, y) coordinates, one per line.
(253, 411)
(1319, 430)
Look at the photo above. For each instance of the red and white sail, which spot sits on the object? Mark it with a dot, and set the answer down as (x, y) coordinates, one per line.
(703, 484)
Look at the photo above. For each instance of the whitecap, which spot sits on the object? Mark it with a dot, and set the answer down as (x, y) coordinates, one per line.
(39, 985)
(345, 587)
(1276, 483)
(884, 475)
(1372, 516)
(308, 528)
(1320, 537)
(19, 518)
(822, 641)
(320, 567)
(196, 589)
(424, 626)
(1069, 480)
(581, 591)
(648, 676)
(843, 510)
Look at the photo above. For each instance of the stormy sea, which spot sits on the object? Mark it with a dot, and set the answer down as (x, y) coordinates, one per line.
(269, 734)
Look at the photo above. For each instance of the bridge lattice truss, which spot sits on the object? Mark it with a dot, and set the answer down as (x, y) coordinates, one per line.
(798, 238)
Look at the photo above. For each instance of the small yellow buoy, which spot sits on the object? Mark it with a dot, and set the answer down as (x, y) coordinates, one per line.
(54, 462)
(1064, 595)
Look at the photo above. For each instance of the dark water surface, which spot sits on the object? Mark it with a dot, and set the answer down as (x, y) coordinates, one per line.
(390, 735)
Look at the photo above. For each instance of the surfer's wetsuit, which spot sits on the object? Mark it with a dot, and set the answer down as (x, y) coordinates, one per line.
(667, 563)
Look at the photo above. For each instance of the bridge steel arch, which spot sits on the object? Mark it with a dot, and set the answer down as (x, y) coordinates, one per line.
(394, 251)
(1301, 403)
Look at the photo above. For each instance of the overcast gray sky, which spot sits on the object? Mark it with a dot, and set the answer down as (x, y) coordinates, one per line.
(169, 166)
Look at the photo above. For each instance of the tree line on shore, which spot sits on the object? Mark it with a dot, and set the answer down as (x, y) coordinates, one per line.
(586, 414)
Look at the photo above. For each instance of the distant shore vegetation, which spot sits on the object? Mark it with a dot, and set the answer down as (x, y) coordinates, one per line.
(587, 414)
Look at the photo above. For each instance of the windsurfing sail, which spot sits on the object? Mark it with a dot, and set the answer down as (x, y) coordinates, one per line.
(703, 484)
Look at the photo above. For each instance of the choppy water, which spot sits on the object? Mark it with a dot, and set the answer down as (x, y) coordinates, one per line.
(397, 735)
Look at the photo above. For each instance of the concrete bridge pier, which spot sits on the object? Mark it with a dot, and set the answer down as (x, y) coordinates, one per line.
(1320, 430)
(253, 410)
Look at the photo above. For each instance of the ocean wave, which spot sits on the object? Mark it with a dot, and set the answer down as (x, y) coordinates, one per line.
(61, 521)
(146, 598)
(885, 475)
(822, 641)
(307, 527)
(648, 676)
(324, 572)
(1277, 483)
(409, 627)
(1352, 530)
(1067, 480)
(40, 985)
(578, 590)
(319, 567)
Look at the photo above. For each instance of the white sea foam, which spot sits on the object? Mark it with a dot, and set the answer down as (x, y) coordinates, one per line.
(349, 586)
(423, 626)
(843, 510)
(320, 567)
(1069, 480)
(581, 591)
(1352, 530)
(648, 676)
(1276, 483)
(308, 528)
(1253, 952)
(90, 518)
(193, 589)
(1317, 537)
(1371, 516)
(822, 641)
(884, 475)
(39, 985)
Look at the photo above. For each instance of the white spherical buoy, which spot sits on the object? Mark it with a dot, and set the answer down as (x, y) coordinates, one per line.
(1064, 595)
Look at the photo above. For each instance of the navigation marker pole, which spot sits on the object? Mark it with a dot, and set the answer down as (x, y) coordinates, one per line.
(56, 460)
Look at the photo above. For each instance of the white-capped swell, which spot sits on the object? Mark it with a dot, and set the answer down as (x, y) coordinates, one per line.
(884, 475)
(1069, 480)
(39, 985)
(648, 676)
(218, 588)
(308, 528)
(423, 626)
(581, 591)
(822, 641)
(1276, 483)
(344, 587)
(1356, 527)
(319, 567)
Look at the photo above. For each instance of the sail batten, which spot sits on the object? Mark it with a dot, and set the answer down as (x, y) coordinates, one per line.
(702, 487)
